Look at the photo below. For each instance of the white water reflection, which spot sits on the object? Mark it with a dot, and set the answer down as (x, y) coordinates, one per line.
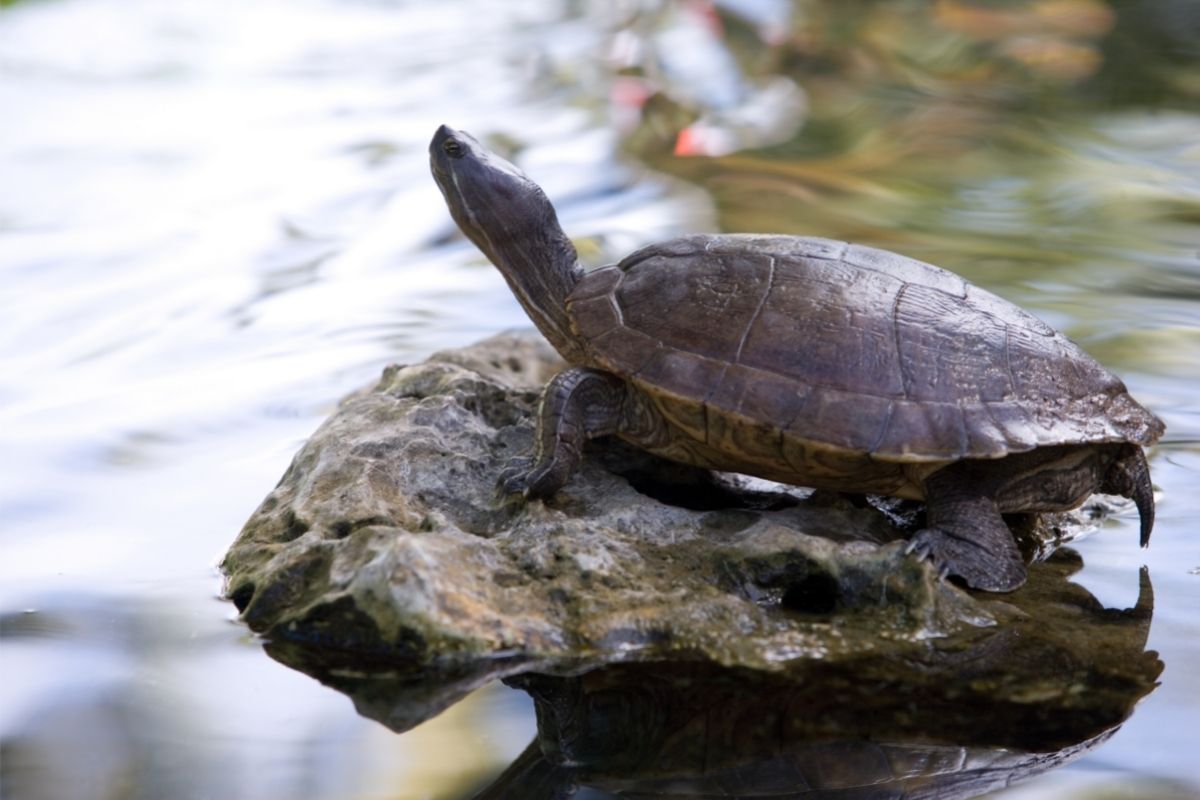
(215, 219)
(212, 213)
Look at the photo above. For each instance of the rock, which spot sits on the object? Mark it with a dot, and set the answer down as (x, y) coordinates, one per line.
(386, 538)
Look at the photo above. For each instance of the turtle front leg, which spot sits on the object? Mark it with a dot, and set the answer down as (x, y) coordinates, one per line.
(965, 533)
(578, 404)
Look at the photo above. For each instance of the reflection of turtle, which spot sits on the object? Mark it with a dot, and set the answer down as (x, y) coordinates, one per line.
(811, 362)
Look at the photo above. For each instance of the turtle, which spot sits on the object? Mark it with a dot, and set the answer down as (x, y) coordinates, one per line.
(810, 362)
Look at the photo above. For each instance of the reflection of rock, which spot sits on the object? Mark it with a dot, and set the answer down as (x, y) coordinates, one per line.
(400, 698)
(1040, 683)
(837, 770)
(386, 537)
(957, 721)
(955, 718)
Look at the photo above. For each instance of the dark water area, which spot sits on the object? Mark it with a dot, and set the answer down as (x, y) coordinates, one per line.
(216, 220)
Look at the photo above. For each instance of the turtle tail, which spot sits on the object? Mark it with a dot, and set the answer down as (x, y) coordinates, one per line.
(1129, 476)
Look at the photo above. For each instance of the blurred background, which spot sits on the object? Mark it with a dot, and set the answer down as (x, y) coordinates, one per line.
(216, 218)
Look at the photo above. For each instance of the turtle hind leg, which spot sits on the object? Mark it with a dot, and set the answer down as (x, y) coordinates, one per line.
(966, 536)
(1129, 476)
(578, 404)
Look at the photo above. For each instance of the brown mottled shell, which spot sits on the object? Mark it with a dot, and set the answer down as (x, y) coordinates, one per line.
(848, 348)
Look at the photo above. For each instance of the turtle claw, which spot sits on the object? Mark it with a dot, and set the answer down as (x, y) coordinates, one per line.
(514, 477)
(921, 548)
(968, 560)
(521, 476)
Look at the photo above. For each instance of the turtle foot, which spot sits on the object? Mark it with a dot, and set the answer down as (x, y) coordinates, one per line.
(967, 559)
(521, 476)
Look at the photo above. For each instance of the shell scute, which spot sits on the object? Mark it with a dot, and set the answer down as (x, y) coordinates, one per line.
(821, 325)
(910, 269)
(596, 283)
(985, 437)
(949, 351)
(923, 431)
(685, 375)
(846, 420)
(598, 314)
(759, 394)
(704, 311)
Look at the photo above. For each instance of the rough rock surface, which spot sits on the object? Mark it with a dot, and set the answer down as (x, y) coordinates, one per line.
(386, 538)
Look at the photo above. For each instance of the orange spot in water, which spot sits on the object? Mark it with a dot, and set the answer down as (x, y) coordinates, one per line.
(687, 143)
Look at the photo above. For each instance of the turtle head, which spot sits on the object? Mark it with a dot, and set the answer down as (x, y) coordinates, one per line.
(510, 219)
(493, 202)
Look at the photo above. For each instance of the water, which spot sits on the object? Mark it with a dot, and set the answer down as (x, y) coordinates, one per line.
(216, 219)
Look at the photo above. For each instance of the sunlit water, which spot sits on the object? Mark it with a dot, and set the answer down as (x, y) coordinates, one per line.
(216, 219)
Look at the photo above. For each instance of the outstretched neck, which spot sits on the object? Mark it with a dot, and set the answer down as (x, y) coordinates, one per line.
(511, 220)
(542, 267)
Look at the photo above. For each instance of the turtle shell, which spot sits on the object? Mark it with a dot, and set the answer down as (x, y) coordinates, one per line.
(845, 348)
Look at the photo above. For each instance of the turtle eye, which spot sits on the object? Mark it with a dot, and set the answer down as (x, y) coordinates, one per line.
(453, 148)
